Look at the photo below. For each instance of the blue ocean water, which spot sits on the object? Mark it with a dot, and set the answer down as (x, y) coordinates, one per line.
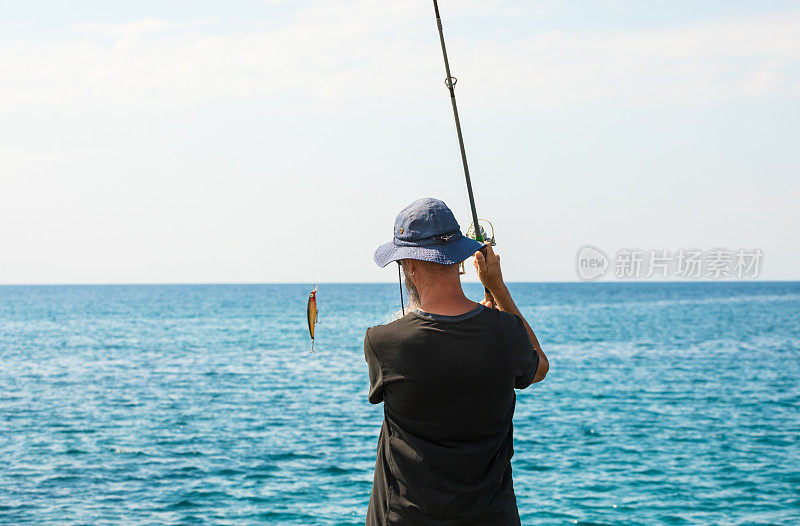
(665, 404)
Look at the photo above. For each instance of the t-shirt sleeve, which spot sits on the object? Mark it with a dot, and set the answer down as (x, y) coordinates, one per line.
(375, 373)
(526, 354)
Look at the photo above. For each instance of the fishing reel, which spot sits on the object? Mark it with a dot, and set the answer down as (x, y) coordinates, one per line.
(482, 224)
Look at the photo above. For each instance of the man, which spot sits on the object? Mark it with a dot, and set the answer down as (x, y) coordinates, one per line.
(446, 373)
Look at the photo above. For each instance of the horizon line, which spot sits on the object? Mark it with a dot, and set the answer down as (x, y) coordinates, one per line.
(249, 283)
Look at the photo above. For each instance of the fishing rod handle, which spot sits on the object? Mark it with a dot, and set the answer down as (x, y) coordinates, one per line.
(487, 295)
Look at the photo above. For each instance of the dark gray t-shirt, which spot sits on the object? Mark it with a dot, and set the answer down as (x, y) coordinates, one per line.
(445, 448)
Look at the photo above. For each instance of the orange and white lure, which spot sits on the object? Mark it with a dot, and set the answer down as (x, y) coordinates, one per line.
(312, 315)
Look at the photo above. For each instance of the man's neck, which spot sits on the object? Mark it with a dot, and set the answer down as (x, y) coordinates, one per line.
(446, 298)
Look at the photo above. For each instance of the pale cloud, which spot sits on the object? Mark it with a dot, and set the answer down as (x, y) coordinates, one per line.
(339, 50)
(690, 64)
(765, 82)
(139, 27)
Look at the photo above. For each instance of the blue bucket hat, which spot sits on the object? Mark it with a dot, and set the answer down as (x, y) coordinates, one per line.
(428, 231)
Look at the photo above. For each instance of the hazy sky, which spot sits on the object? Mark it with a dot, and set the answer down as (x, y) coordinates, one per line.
(271, 140)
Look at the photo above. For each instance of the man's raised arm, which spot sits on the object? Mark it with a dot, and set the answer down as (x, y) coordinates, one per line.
(491, 276)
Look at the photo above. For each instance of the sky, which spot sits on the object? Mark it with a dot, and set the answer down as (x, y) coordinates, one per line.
(276, 140)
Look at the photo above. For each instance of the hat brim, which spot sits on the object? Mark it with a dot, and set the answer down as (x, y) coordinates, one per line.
(449, 254)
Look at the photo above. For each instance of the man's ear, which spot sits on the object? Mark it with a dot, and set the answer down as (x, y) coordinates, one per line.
(411, 265)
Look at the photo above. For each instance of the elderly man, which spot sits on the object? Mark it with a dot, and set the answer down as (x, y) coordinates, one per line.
(446, 373)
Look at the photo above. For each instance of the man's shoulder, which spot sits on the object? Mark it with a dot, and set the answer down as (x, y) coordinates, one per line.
(505, 319)
(401, 328)
(388, 331)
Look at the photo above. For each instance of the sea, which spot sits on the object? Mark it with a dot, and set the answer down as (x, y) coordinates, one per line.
(666, 403)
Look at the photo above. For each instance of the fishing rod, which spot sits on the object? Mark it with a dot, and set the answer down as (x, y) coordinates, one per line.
(477, 231)
(451, 82)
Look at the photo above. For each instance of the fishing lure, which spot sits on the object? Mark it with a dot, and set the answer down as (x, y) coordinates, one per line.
(312, 315)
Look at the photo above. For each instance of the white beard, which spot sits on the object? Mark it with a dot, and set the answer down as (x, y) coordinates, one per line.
(412, 301)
